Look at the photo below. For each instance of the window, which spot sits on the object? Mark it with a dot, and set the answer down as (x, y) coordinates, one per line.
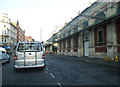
(2, 39)
(5, 39)
(86, 38)
(76, 42)
(100, 36)
(69, 43)
(75, 29)
(64, 44)
(4, 26)
(64, 35)
(2, 31)
(5, 32)
(30, 47)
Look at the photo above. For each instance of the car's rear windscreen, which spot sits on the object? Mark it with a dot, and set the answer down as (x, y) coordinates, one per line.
(29, 47)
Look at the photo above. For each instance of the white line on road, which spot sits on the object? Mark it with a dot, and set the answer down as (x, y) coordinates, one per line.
(59, 84)
(46, 68)
(52, 75)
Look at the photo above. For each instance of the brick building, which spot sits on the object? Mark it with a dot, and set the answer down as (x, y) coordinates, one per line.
(20, 33)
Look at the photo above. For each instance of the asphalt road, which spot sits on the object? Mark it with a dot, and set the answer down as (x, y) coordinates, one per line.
(61, 71)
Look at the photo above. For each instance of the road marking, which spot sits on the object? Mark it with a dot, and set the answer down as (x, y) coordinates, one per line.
(59, 84)
(52, 75)
(45, 71)
(46, 68)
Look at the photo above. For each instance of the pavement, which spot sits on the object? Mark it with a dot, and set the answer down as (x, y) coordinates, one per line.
(101, 61)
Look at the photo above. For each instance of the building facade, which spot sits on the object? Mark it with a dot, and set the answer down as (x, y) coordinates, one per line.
(8, 32)
(20, 33)
(49, 46)
(95, 32)
(52, 44)
(28, 38)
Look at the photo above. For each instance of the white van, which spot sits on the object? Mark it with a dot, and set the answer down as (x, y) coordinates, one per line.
(29, 54)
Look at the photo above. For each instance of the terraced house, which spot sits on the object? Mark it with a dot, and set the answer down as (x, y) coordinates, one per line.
(8, 32)
(95, 32)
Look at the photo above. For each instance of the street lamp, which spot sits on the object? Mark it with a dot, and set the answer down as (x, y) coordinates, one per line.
(11, 41)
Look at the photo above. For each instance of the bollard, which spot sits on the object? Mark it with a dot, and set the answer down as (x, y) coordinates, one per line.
(116, 58)
(106, 59)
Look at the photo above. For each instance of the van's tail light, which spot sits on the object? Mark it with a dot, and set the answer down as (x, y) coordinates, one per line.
(15, 57)
(43, 56)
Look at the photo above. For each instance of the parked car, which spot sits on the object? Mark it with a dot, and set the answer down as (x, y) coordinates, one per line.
(4, 57)
(29, 55)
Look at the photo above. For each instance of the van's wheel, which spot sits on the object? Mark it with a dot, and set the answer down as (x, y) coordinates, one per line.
(43, 67)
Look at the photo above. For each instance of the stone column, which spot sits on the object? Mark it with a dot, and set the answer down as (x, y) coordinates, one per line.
(61, 47)
(58, 48)
(82, 48)
(111, 40)
(66, 48)
(79, 45)
(71, 46)
(91, 44)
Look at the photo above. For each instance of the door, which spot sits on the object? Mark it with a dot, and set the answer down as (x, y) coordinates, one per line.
(33, 52)
(86, 48)
(30, 54)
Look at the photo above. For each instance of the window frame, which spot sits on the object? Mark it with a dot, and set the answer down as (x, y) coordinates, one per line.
(5, 39)
(98, 37)
(4, 26)
(69, 43)
(75, 41)
(30, 45)
(64, 44)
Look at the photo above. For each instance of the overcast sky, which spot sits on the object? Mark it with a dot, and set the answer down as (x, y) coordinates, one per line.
(34, 15)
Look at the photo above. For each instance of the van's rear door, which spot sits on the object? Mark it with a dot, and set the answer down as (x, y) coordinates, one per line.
(31, 53)
(29, 58)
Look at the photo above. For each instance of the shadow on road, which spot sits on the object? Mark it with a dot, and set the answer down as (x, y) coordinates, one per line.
(3, 64)
(30, 70)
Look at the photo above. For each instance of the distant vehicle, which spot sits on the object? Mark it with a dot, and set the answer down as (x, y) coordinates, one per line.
(4, 57)
(29, 55)
(8, 50)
